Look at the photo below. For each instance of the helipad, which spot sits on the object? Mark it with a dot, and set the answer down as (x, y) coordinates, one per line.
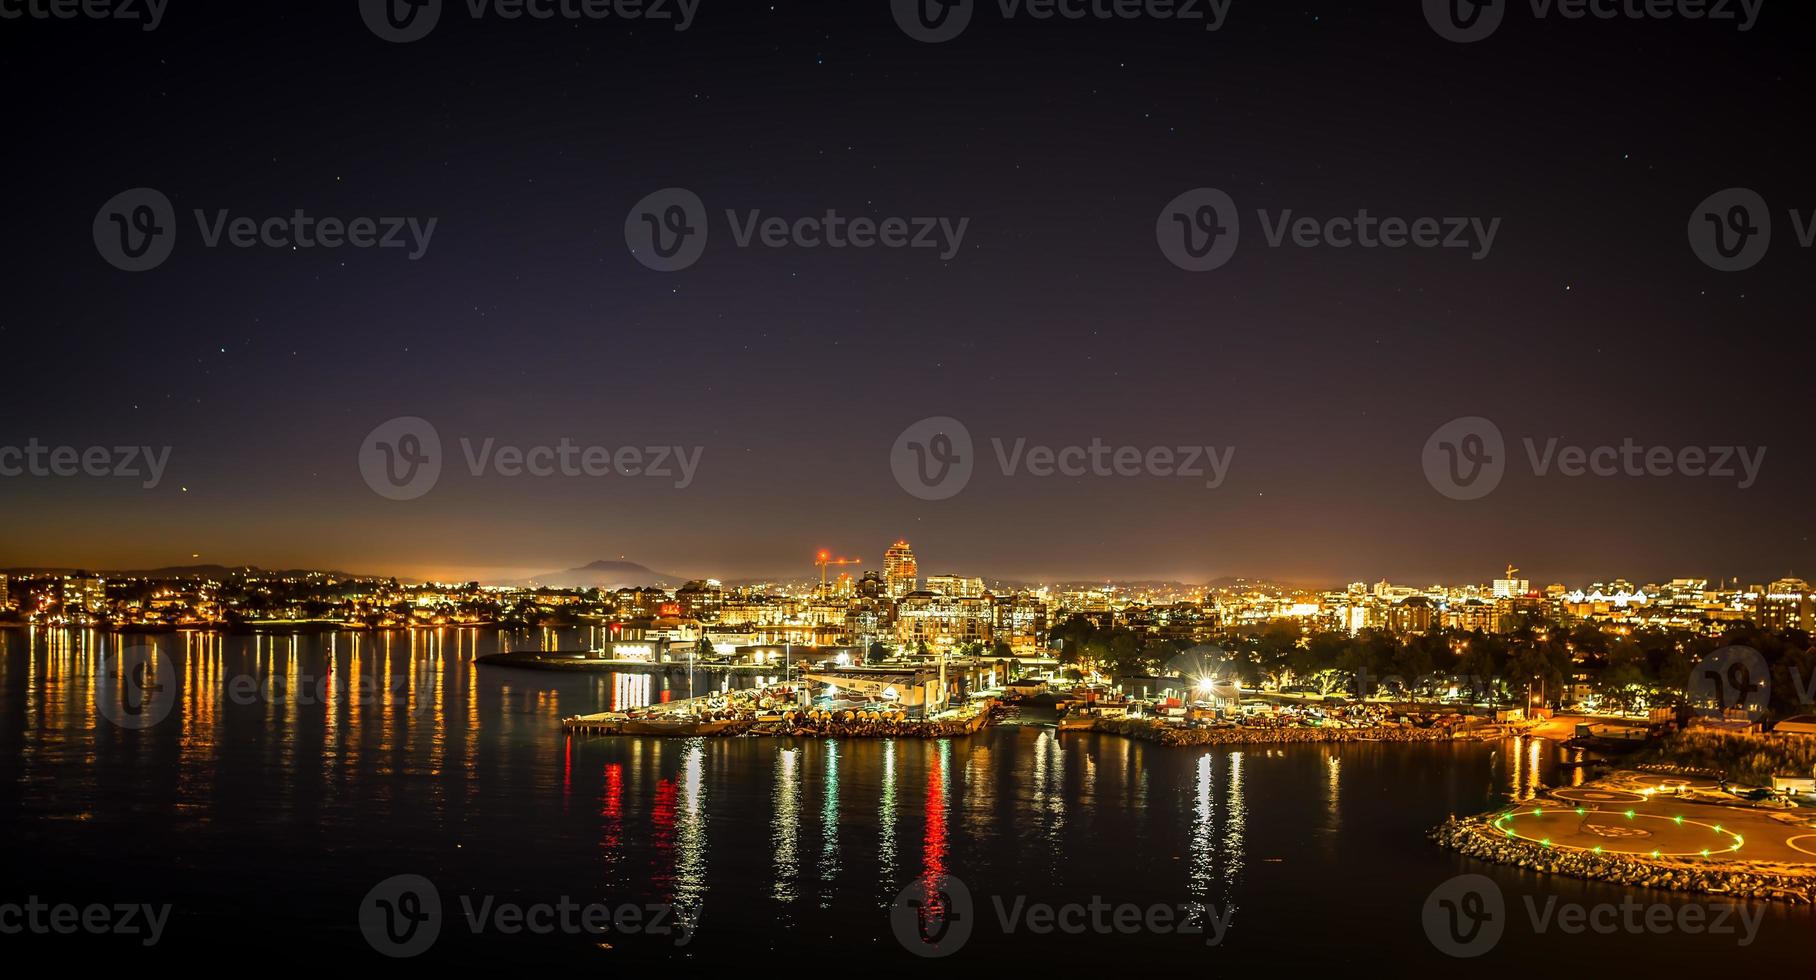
(1619, 832)
(1580, 794)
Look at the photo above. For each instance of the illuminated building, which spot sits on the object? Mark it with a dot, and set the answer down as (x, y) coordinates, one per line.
(868, 620)
(5, 597)
(1021, 622)
(701, 600)
(900, 570)
(955, 585)
(1785, 604)
(871, 586)
(1473, 614)
(941, 621)
(1414, 615)
(1510, 611)
(1506, 588)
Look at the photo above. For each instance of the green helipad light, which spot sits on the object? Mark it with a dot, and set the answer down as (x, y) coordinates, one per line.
(1680, 820)
(1537, 810)
(1718, 828)
(1705, 852)
(1629, 814)
(1598, 848)
(1655, 853)
(1580, 811)
(1546, 842)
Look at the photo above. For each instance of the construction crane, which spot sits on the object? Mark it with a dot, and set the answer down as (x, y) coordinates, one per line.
(824, 559)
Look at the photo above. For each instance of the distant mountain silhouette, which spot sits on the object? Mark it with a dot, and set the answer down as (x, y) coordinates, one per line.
(606, 575)
(217, 572)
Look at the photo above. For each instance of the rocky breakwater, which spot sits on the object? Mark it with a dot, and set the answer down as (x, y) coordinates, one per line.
(1475, 837)
(1165, 734)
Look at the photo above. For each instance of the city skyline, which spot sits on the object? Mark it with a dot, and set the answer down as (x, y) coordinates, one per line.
(887, 568)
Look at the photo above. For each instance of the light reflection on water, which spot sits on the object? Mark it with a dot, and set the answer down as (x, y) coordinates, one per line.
(363, 755)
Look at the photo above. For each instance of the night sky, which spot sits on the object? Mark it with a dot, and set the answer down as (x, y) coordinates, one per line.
(528, 320)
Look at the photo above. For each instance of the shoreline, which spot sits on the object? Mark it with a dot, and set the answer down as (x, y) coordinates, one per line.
(1162, 734)
(802, 725)
(574, 664)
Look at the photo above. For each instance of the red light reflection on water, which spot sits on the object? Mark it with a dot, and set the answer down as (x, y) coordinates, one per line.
(613, 809)
(662, 816)
(933, 852)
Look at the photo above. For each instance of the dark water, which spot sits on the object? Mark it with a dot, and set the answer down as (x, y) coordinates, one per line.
(265, 819)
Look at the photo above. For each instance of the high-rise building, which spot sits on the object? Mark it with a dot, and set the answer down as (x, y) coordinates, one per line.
(900, 569)
(6, 599)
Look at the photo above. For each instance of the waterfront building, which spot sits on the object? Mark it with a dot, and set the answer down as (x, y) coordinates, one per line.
(942, 622)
